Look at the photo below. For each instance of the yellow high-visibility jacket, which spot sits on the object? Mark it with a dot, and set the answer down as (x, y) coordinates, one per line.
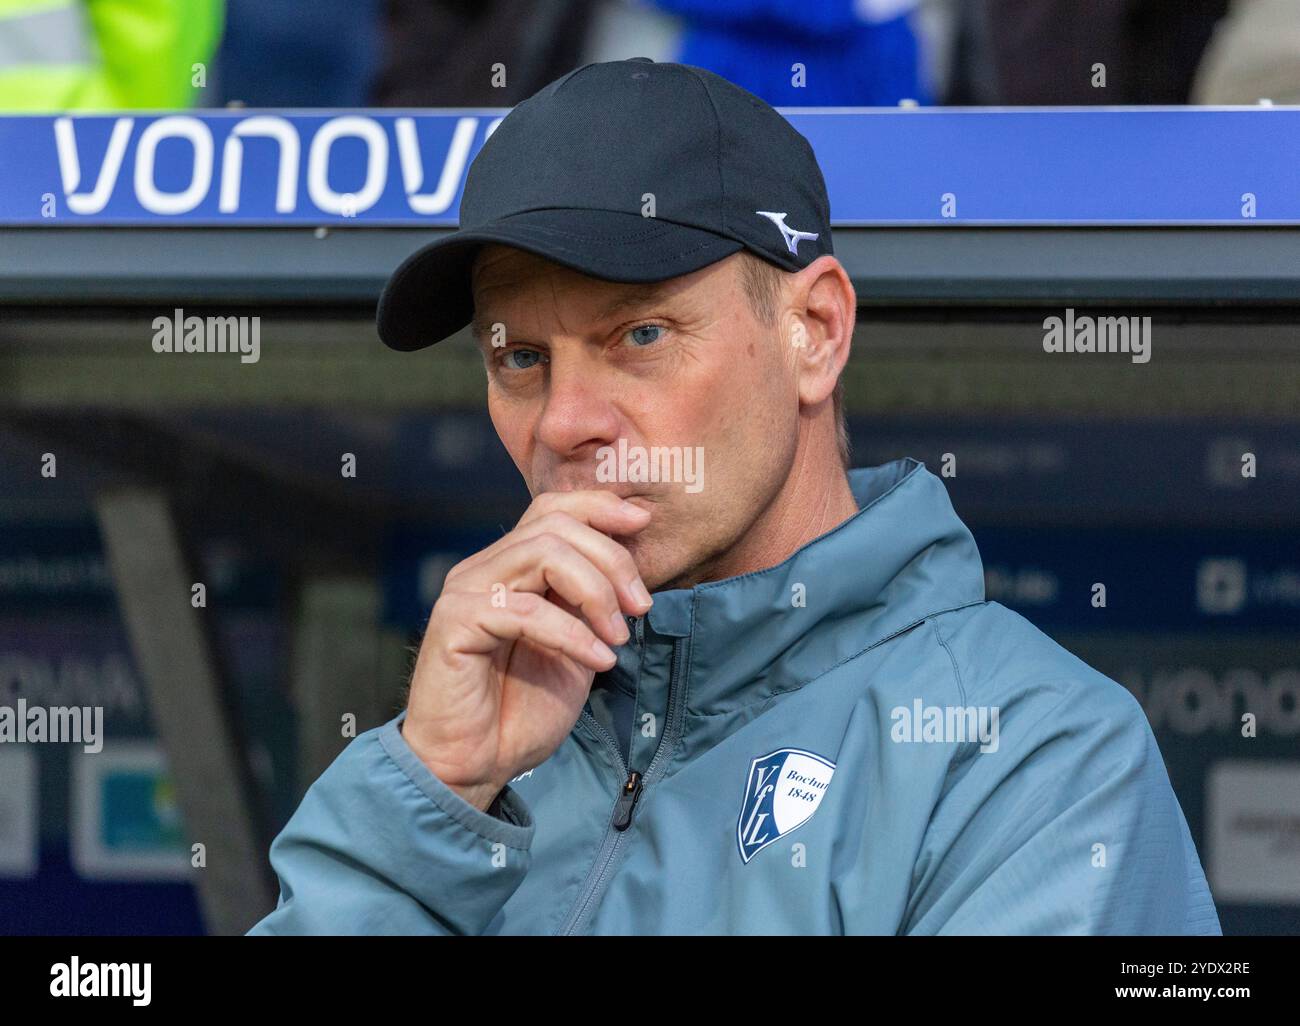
(105, 55)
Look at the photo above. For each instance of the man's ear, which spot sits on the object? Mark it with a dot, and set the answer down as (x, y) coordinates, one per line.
(820, 312)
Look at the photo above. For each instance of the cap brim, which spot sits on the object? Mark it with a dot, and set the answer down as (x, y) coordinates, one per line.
(429, 298)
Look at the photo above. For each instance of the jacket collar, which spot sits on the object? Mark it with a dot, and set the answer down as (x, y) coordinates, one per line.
(902, 557)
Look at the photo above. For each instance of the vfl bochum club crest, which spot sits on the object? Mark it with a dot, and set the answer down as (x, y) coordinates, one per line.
(783, 791)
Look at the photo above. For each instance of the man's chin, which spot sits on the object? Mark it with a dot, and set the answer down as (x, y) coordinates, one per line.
(648, 555)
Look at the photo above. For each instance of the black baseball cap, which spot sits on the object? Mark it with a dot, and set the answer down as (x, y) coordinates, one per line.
(627, 171)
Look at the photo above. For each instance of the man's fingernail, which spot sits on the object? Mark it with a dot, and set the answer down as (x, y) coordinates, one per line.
(639, 593)
(632, 507)
(603, 650)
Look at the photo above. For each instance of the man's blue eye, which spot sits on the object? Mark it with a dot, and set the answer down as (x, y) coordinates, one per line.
(645, 334)
(506, 359)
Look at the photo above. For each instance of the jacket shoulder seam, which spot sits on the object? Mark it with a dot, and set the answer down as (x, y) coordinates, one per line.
(956, 670)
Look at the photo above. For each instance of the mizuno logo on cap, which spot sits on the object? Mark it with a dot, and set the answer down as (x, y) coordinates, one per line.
(791, 236)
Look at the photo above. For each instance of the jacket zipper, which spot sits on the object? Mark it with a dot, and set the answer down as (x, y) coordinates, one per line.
(621, 818)
(627, 801)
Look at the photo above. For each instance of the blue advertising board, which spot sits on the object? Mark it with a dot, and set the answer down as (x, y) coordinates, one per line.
(923, 166)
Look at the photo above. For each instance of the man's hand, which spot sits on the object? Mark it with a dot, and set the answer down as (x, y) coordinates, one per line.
(516, 637)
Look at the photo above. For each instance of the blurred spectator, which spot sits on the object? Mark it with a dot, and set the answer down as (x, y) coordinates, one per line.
(1045, 52)
(104, 54)
(441, 53)
(829, 53)
(851, 52)
(287, 53)
(1254, 55)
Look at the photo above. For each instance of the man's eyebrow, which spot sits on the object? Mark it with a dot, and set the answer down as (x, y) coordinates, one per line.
(480, 328)
(484, 331)
(632, 295)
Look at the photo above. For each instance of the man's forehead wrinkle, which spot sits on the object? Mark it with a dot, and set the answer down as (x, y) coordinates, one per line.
(487, 275)
(642, 294)
(493, 282)
(486, 313)
(507, 279)
(630, 296)
(556, 305)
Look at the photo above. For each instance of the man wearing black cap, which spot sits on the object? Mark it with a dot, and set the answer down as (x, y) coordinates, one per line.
(816, 723)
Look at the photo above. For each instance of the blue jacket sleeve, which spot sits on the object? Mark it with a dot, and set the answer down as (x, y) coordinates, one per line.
(381, 845)
(826, 18)
(1070, 827)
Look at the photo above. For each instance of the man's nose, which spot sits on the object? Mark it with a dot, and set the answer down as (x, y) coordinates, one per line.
(579, 409)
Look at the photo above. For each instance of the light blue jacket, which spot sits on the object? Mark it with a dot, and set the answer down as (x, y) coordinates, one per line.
(810, 760)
